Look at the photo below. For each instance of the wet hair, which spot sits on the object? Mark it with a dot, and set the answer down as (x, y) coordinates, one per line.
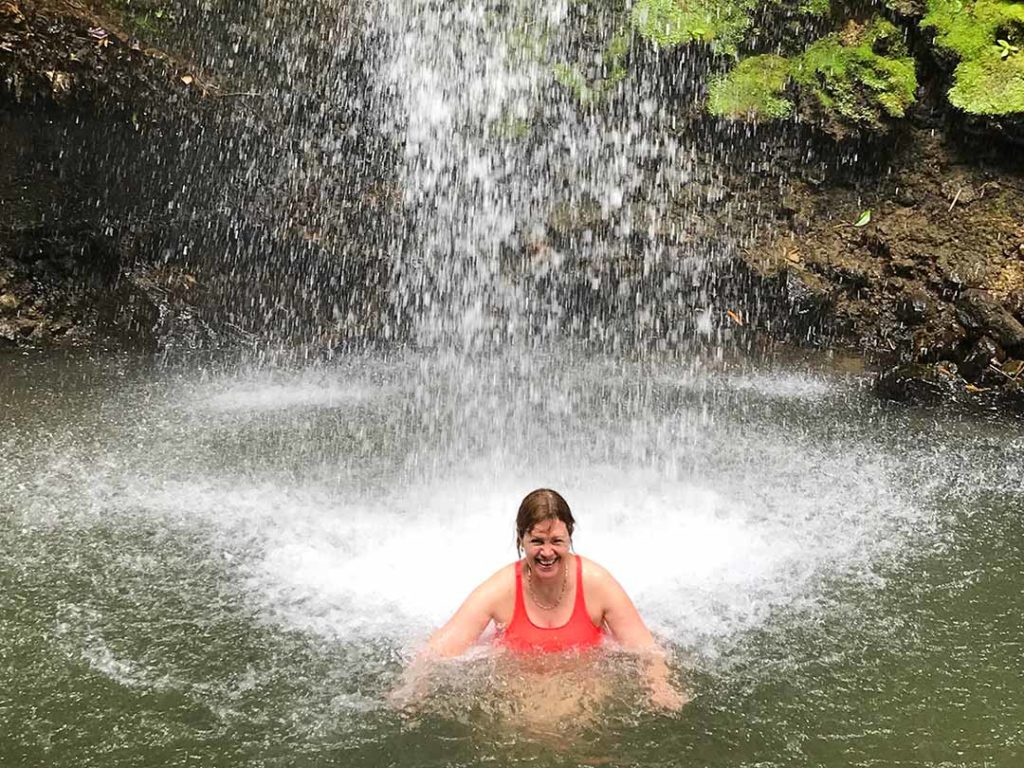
(540, 506)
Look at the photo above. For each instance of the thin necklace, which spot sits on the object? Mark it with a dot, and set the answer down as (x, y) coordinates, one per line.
(561, 594)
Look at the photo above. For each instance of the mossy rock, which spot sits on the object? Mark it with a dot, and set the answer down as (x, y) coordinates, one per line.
(149, 19)
(861, 75)
(722, 24)
(752, 90)
(613, 71)
(989, 76)
(857, 78)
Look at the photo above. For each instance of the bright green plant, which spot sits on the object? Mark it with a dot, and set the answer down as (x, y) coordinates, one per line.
(752, 90)
(722, 24)
(852, 83)
(984, 37)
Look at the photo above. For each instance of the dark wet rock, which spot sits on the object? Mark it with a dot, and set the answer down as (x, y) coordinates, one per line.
(116, 156)
(960, 191)
(1015, 304)
(903, 267)
(959, 267)
(920, 383)
(789, 205)
(978, 357)
(915, 306)
(937, 340)
(76, 56)
(981, 313)
(568, 218)
(934, 281)
(906, 197)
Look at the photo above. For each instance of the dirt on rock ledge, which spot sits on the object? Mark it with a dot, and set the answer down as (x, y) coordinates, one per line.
(921, 268)
(78, 96)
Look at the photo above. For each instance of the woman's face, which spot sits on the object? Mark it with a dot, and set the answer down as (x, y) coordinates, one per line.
(545, 547)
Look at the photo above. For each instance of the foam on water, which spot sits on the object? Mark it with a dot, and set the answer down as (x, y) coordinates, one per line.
(711, 526)
(783, 385)
(77, 631)
(255, 393)
(274, 397)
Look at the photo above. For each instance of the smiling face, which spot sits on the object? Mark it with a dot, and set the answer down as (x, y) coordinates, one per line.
(545, 547)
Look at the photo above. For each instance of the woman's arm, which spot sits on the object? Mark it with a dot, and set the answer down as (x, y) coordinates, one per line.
(453, 639)
(629, 630)
(466, 625)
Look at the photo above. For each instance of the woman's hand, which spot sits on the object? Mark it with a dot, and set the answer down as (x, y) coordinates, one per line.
(414, 686)
(665, 696)
(405, 696)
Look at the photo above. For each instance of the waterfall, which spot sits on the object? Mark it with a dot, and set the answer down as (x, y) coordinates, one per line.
(544, 183)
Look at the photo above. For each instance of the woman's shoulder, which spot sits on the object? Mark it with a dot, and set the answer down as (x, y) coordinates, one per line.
(594, 572)
(494, 592)
(601, 589)
(501, 581)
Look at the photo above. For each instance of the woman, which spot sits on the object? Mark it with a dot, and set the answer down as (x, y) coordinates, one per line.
(553, 600)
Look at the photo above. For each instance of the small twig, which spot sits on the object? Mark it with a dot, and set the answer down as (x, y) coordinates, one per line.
(235, 93)
(994, 366)
(955, 198)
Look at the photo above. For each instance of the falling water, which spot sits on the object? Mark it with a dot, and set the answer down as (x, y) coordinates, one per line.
(545, 187)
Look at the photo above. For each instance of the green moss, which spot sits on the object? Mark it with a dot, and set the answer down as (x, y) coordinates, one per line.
(752, 90)
(985, 82)
(569, 77)
(989, 86)
(613, 61)
(859, 75)
(815, 7)
(145, 18)
(510, 128)
(720, 23)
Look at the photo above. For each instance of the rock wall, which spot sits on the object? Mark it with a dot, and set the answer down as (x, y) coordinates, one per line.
(139, 201)
(920, 267)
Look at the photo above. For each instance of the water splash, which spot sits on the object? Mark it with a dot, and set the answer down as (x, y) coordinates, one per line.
(381, 537)
(532, 213)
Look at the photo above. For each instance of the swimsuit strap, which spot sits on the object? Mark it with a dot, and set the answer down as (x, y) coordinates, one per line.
(579, 604)
(519, 611)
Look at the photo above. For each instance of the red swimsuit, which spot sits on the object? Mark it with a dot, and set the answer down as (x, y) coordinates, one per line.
(579, 631)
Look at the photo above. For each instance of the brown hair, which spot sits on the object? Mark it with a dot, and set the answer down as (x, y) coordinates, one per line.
(539, 506)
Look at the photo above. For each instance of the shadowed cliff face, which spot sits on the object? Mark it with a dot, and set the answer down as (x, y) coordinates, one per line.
(922, 267)
(146, 198)
(288, 179)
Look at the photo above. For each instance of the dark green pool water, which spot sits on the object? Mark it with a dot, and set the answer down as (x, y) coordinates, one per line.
(217, 565)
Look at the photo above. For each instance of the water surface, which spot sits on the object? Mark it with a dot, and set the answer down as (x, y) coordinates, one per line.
(227, 564)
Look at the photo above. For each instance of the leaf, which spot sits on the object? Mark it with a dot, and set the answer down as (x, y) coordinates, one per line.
(187, 79)
(864, 220)
(734, 317)
(1006, 49)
